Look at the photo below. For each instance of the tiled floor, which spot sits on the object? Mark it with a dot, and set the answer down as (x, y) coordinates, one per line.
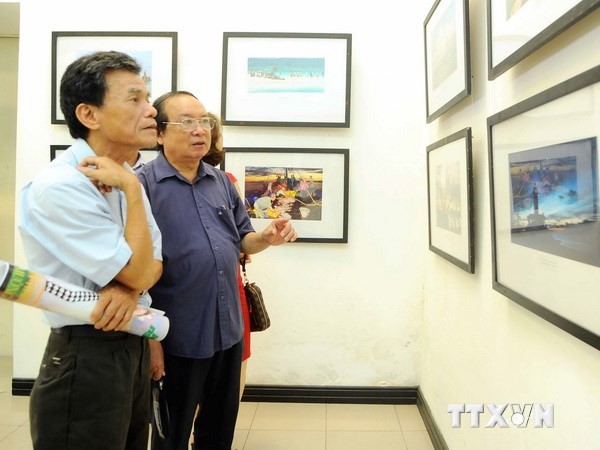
(265, 426)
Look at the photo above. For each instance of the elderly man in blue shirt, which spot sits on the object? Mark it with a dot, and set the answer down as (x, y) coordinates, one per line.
(205, 227)
(85, 219)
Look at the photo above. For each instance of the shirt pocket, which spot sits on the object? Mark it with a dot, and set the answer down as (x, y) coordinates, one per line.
(226, 217)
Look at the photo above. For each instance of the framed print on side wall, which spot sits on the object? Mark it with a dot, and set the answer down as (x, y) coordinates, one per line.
(286, 79)
(517, 28)
(148, 154)
(447, 56)
(544, 198)
(309, 186)
(450, 199)
(156, 52)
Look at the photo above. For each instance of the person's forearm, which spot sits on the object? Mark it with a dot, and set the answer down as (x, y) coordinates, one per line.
(157, 270)
(140, 272)
(253, 243)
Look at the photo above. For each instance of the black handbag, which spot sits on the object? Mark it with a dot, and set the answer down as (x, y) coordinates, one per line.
(160, 409)
(259, 317)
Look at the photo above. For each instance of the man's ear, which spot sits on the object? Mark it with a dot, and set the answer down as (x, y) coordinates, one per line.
(88, 115)
(159, 138)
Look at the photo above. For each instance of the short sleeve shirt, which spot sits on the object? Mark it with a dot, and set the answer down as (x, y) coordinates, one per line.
(202, 224)
(71, 231)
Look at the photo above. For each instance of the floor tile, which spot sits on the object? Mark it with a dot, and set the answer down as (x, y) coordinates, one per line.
(285, 439)
(290, 416)
(361, 440)
(14, 410)
(239, 439)
(266, 426)
(417, 440)
(246, 415)
(410, 418)
(362, 418)
(5, 430)
(20, 439)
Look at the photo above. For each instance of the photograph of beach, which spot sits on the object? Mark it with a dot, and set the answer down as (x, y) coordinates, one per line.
(277, 75)
(444, 49)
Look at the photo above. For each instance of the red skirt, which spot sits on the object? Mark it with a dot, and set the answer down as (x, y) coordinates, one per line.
(245, 317)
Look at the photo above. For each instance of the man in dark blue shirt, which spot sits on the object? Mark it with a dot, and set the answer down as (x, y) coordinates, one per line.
(205, 226)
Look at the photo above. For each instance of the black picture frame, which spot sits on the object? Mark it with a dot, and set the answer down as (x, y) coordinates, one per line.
(155, 51)
(450, 199)
(543, 172)
(516, 29)
(279, 79)
(148, 154)
(447, 56)
(293, 180)
(56, 150)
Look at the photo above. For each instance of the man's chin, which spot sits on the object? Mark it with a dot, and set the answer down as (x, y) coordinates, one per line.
(148, 143)
(148, 137)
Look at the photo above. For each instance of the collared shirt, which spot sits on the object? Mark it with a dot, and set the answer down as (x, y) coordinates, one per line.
(139, 163)
(202, 224)
(72, 231)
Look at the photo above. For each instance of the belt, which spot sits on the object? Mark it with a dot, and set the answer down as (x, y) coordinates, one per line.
(87, 331)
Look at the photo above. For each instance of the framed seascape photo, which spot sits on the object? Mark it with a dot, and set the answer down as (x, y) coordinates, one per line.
(544, 198)
(286, 79)
(450, 199)
(309, 186)
(447, 61)
(148, 154)
(156, 52)
(517, 28)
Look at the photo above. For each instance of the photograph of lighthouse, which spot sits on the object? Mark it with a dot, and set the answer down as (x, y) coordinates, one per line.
(554, 200)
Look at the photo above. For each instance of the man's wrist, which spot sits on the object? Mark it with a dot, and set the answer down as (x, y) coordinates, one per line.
(132, 185)
(264, 237)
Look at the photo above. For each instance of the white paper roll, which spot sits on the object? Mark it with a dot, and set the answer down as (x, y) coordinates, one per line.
(51, 294)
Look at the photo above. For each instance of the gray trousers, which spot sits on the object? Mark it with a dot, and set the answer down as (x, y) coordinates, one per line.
(92, 392)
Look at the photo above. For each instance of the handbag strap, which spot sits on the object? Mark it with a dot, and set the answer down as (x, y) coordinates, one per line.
(243, 263)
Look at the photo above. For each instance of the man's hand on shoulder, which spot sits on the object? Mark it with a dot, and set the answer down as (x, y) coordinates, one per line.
(105, 173)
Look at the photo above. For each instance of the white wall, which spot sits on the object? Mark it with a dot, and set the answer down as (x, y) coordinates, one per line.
(479, 346)
(351, 314)
(9, 52)
(342, 314)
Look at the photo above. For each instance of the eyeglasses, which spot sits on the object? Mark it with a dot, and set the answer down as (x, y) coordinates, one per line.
(189, 124)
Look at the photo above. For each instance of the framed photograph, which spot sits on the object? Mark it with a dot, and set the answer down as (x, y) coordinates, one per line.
(156, 52)
(447, 56)
(148, 154)
(309, 186)
(450, 199)
(544, 204)
(517, 28)
(286, 79)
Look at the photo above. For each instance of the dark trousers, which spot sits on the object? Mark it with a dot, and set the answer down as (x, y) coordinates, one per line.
(213, 383)
(92, 392)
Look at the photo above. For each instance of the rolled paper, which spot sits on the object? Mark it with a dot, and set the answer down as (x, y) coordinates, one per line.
(51, 294)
